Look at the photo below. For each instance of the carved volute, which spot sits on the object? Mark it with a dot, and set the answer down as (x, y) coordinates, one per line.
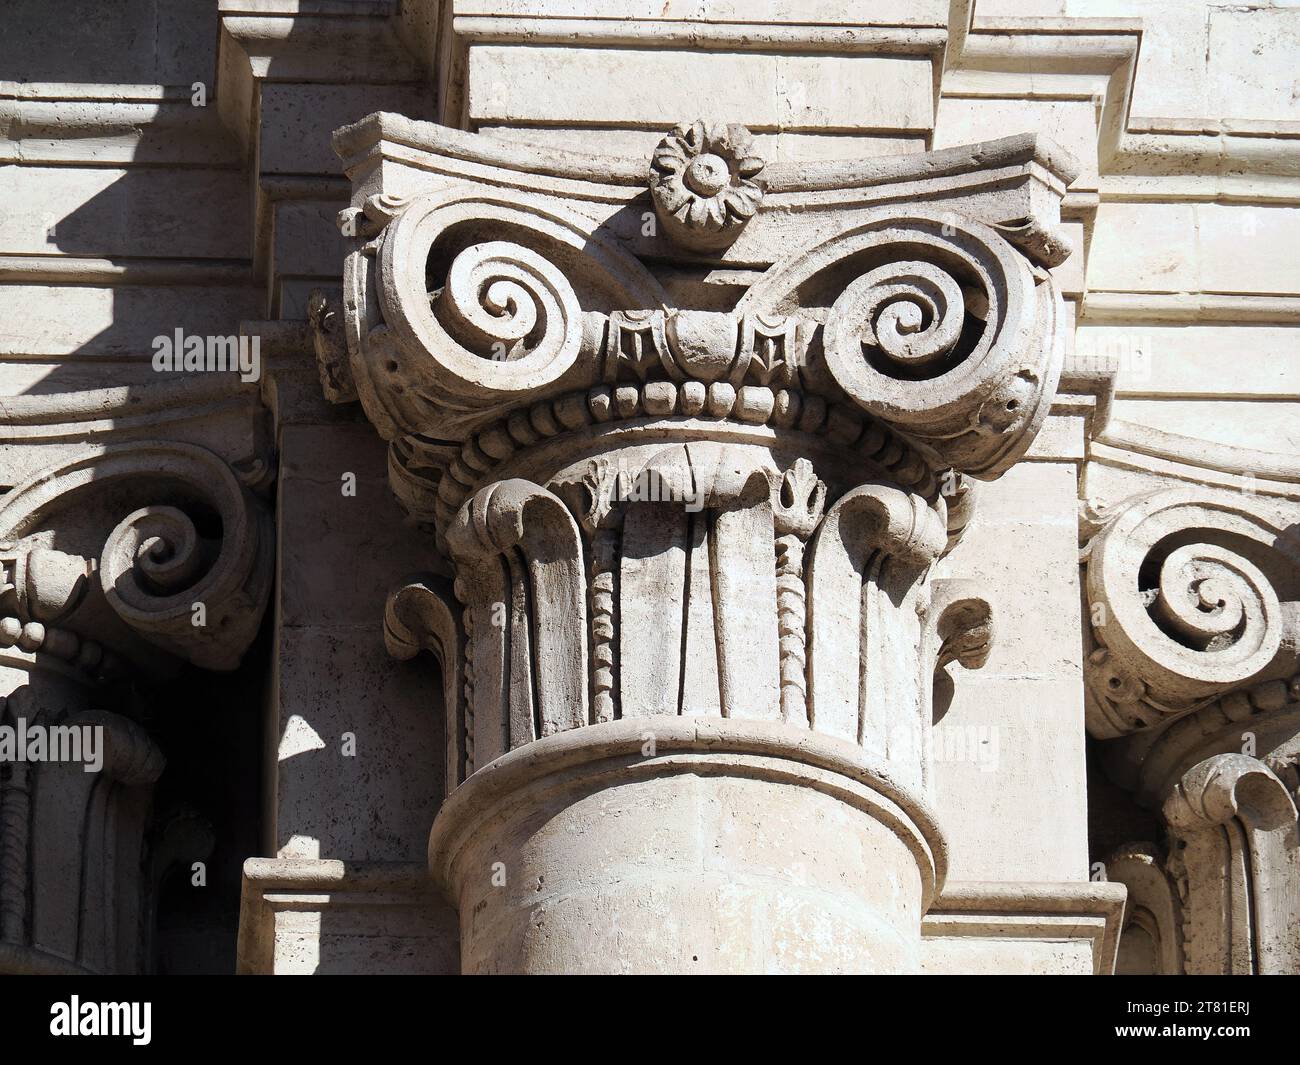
(117, 564)
(1193, 682)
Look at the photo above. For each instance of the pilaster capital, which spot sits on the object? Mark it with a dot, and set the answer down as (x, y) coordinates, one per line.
(693, 430)
(129, 549)
(1194, 609)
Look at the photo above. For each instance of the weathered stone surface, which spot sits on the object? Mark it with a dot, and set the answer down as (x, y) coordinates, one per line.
(816, 449)
(717, 527)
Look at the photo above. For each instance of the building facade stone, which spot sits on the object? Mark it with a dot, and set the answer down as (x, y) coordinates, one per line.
(554, 486)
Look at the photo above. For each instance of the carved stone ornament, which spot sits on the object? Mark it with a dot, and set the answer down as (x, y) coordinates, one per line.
(117, 563)
(1193, 601)
(1235, 857)
(186, 569)
(1194, 604)
(1222, 894)
(682, 535)
(706, 183)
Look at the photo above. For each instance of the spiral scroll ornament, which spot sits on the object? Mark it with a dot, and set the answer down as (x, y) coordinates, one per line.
(908, 314)
(503, 319)
(462, 325)
(186, 593)
(1210, 599)
(191, 573)
(506, 303)
(944, 331)
(1183, 592)
(151, 555)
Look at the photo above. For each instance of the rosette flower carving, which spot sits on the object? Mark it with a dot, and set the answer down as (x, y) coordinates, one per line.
(1185, 606)
(705, 183)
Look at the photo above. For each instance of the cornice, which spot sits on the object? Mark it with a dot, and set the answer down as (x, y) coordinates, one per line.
(383, 134)
(217, 411)
(85, 270)
(272, 886)
(57, 123)
(1185, 458)
(1097, 58)
(974, 909)
(305, 41)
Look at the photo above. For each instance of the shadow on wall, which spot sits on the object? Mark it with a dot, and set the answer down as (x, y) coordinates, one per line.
(207, 809)
(115, 257)
(177, 238)
(179, 243)
(130, 42)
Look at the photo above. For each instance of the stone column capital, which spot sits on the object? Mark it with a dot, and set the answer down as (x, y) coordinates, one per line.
(168, 549)
(688, 434)
(1193, 633)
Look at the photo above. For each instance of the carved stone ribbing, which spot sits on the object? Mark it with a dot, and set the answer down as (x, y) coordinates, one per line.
(53, 799)
(468, 690)
(423, 615)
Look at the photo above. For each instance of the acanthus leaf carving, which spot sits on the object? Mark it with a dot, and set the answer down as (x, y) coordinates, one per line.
(798, 505)
(422, 615)
(1152, 938)
(774, 347)
(529, 599)
(46, 803)
(636, 340)
(1047, 245)
(961, 623)
(866, 584)
(1235, 854)
(331, 349)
